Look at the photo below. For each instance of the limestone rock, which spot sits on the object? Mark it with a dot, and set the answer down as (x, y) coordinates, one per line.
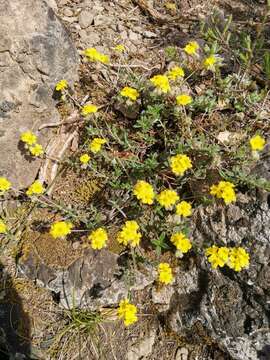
(85, 19)
(35, 53)
(94, 280)
(142, 349)
(231, 309)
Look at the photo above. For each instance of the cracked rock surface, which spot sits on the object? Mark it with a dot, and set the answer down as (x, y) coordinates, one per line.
(232, 309)
(35, 53)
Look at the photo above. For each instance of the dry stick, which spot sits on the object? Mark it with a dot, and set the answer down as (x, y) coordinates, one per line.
(78, 119)
(133, 66)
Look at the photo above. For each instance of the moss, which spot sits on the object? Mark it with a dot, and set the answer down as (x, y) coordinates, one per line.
(77, 188)
(87, 190)
(56, 253)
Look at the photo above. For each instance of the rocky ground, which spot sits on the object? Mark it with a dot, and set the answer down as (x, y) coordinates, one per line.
(205, 314)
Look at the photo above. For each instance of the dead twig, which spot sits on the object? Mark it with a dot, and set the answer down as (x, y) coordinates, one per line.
(134, 66)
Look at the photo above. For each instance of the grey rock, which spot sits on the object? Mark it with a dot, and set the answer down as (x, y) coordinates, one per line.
(149, 34)
(143, 348)
(97, 8)
(69, 19)
(231, 308)
(162, 297)
(63, 2)
(89, 37)
(36, 52)
(52, 4)
(134, 36)
(67, 12)
(86, 18)
(124, 35)
(94, 280)
(102, 20)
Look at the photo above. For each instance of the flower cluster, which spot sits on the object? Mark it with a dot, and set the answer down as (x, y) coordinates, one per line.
(60, 229)
(184, 209)
(191, 48)
(93, 55)
(181, 242)
(4, 185)
(165, 273)
(130, 234)
(224, 190)
(236, 258)
(257, 143)
(96, 144)
(180, 164)
(35, 189)
(98, 238)
(183, 99)
(210, 62)
(30, 141)
(130, 93)
(84, 159)
(144, 192)
(217, 256)
(161, 82)
(120, 48)
(175, 73)
(61, 85)
(89, 109)
(3, 227)
(170, 6)
(167, 198)
(128, 312)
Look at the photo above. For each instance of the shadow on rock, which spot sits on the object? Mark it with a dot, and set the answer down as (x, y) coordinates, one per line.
(14, 322)
(264, 354)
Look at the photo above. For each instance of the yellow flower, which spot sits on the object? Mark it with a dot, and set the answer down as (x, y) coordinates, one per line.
(257, 143)
(238, 259)
(183, 99)
(60, 229)
(175, 73)
(184, 209)
(180, 164)
(28, 138)
(61, 85)
(96, 143)
(129, 234)
(181, 242)
(210, 62)
(120, 48)
(130, 93)
(93, 55)
(217, 256)
(165, 273)
(35, 189)
(98, 238)
(161, 82)
(84, 159)
(36, 150)
(167, 198)
(3, 227)
(89, 109)
(191, 48)
(128, 312)
(170, 6)
(4, 185)
(224, 190)
(144, 192)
